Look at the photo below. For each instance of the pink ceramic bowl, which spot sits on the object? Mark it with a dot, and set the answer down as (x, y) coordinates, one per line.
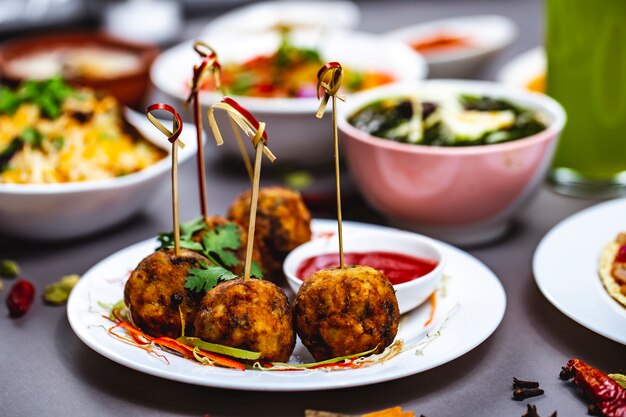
(465, 195)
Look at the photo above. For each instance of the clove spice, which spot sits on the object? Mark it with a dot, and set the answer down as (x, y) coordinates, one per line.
(531, 411)
(520, 394)
(518, 383)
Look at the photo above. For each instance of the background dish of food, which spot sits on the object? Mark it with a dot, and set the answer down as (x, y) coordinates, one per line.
(565, 266)
(93, 60)
(295, 134)
(409, 294)
(464, 195)
(527, 70)
(477, 294)
(53, 133)
(457, 47)
(69, 210)
(266, 16)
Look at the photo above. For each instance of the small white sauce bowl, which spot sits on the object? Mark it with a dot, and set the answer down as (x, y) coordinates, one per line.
(409, 294)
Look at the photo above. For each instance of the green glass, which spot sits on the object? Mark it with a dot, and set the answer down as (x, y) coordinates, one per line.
(586, 50)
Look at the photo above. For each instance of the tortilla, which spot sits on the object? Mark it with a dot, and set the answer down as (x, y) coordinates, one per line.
(604, 270)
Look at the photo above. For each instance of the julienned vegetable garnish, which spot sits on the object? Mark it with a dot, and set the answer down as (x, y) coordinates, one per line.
(447, 120)
(362, 315)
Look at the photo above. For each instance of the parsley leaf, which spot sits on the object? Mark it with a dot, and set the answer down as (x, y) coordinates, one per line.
(187, 230)
(255, 270)
(207, 277)
(221, 241)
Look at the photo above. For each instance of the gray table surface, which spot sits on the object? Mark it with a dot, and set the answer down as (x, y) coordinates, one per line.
(45, 370)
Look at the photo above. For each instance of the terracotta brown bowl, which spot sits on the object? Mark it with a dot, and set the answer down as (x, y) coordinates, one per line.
(129, 88)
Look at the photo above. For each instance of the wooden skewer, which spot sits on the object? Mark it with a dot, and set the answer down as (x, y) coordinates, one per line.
(240, 117)
(254, 199)
(334, 72)
(208, 54)
(172, 137)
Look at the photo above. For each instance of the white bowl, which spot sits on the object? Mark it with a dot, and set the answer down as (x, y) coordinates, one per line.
(295, 134)
(70, 210)
(266, 16)
(409, 294)
(524, 68)
(488, 34)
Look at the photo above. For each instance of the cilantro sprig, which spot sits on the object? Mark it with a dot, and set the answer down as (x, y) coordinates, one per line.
(48, 95)
(218, 245)
(207, 277)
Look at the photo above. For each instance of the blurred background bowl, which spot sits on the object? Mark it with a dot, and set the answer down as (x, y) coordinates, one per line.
(295, 134)
(48, 57)
(464, 195)
(268, 15)
(70, 210)
(458, 47)
(527, 70)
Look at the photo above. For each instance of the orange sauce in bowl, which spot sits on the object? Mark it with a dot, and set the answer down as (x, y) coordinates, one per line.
(440, 42)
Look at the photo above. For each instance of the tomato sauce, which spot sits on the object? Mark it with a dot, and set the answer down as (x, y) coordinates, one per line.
(398, 268)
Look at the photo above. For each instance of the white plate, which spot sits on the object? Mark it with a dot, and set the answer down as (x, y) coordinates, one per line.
(471, 310)
(524, 68)
(565, 265)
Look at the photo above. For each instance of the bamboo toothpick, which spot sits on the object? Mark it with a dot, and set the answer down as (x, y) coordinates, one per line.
(172, 137)
(239, 116)
(211, 63)
(329, 79)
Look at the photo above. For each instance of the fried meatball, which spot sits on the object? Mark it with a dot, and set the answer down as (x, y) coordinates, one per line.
(240, 254)
(339, 312)
(249, 314)
(156, 289)
(283, 222)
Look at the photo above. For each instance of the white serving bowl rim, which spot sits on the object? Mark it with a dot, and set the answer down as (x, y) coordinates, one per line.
(415, 67)
(506, 33)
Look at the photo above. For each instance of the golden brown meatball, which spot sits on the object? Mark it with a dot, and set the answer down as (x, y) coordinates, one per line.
(249, 314)
(339, 312)
(283, 223)
(156, 289)
(240, 254)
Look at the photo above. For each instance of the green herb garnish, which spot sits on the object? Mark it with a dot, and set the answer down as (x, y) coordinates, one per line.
(48, 95)
(32, 137)
(218, 245)
(207, 277)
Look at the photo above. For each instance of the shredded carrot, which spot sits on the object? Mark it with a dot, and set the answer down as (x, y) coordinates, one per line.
(433, 307)
(390, 412)
(136, 337)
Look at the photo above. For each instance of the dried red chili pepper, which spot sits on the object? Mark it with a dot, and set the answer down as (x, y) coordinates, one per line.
(20, 298)
(608, 395)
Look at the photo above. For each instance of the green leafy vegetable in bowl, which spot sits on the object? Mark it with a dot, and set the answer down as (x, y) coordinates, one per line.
(463, 120)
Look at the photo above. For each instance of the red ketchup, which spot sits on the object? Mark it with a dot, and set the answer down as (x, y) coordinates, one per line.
(398, 268)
